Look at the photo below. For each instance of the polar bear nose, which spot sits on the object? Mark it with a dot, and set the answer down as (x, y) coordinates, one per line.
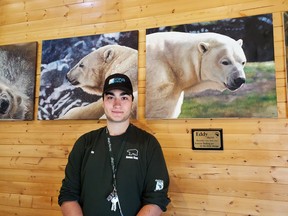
(72, 81)
(235, 83)
(239, 81)
(4, 104)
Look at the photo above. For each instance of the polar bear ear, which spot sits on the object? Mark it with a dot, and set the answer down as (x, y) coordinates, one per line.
(108, 55)
(203, 47)
(19, 99)
(240, 42)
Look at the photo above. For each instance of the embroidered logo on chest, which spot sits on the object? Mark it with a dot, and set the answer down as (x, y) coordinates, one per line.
(132, 154)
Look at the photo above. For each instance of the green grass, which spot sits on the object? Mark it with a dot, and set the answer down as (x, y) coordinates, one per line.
(259, 100)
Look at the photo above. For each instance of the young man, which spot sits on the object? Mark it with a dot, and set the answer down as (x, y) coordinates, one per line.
(118, 169)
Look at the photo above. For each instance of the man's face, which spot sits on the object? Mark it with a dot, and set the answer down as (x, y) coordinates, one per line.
(117, 105)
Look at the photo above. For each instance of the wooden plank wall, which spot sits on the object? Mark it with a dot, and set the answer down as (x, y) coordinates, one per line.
(250, 177)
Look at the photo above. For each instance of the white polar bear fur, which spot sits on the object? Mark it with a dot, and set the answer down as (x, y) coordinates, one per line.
(179, 62)
(18, 104)
(92, 70)
(176, 64)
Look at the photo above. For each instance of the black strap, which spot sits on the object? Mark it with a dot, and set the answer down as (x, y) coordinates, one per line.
(114, 164)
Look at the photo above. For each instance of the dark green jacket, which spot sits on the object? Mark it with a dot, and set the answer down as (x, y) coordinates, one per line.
(141, 170)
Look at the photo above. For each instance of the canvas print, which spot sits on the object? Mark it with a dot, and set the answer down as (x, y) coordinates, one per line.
(73, 71)
(17, 81)
(216, 69)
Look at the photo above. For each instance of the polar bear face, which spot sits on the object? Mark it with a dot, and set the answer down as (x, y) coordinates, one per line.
(90, 72)
(223, 62)
(10, 103)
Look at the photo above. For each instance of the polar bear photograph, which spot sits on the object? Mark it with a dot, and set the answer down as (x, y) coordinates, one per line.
(216, 69)
(90, 72)
(73, 71)
(17, 81)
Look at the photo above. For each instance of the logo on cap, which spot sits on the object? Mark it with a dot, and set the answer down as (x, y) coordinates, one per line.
(116, 80)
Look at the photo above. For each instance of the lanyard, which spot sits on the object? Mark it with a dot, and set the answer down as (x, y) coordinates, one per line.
(114, 165)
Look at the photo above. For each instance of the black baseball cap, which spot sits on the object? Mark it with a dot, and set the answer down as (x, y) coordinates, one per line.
(118, 81)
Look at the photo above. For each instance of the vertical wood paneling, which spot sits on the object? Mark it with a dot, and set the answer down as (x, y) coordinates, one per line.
(248, 178)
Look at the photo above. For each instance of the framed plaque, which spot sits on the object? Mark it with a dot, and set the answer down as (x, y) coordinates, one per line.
(207, 139)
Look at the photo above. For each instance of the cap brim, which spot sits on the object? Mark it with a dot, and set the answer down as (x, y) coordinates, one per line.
(126, 90)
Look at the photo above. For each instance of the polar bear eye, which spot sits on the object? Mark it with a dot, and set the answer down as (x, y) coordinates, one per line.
(243, 63)
(81, 65)
(225, 62)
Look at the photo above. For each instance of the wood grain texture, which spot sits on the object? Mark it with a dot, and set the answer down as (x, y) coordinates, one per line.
(249, 177)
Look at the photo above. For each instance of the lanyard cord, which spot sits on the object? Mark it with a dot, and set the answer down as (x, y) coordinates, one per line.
(113, 167)
(112, 160)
